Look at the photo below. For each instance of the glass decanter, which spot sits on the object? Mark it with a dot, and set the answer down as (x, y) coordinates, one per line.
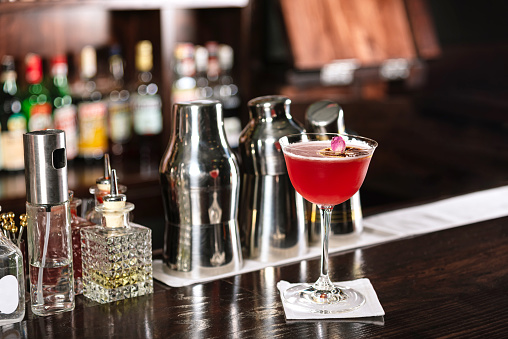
(117, 256)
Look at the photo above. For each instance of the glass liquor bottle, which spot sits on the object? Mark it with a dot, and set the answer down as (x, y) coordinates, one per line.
(48, 219)
(12, 120)
(203, 91)
(184, 86)
(229, 96)
(37, 101)
(119, 114)
(92, 110)
(146, 109)
(64, 111)
(117, 257)
(77, 223)
(12, 282)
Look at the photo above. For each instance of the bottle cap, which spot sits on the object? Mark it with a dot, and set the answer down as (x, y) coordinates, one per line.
(45, 167)
(88, 62)
(144, 56)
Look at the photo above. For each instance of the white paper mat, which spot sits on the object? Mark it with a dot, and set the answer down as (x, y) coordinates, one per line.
(371, 308)
(448, 213)
(368, 237)
(440, 215)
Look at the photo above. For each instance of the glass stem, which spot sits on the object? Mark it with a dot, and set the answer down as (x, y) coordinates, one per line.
(324, 283)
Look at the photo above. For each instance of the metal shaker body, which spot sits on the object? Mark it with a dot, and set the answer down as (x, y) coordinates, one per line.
(200, 182)
(328, 117)
(272, 214)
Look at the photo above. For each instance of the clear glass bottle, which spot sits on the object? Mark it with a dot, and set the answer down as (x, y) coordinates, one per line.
(92, 110)
(77, 223)
(117, 256)
(229, 96)
(119, 113)
(146, 110)
(12, 282)
(49, 223)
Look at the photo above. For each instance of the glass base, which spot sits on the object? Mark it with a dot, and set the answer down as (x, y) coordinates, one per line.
(307, 298)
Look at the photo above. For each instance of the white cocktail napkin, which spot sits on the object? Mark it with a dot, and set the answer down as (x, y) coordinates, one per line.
(371, 308)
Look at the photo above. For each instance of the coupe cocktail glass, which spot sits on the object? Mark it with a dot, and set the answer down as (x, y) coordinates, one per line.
(326, 178)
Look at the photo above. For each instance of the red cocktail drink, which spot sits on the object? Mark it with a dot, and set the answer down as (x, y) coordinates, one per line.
(326, 169)
(326, 180)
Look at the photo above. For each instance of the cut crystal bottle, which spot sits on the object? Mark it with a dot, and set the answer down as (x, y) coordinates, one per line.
(117, 256)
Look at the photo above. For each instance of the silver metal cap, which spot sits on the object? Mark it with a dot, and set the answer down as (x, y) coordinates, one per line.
(45, 167)
(259, 142)
(325, 117)
(269, 106)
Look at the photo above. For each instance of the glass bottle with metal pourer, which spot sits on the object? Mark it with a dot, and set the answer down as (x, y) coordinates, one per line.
(48, 217)
(117, 256)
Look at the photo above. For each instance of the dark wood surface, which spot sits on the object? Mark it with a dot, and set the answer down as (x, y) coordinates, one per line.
(447, 284)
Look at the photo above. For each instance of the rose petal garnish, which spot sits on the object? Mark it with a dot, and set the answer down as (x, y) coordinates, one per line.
(338, 144)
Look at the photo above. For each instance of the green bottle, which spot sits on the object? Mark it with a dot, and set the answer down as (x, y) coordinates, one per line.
(36, 101)
(12, 120)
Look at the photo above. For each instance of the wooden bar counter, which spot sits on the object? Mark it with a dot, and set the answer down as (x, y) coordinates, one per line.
(445, 284)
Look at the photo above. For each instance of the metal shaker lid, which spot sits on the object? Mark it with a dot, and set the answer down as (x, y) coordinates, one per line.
(325, 117)
(260, 151)
(199, 119)
(45, 167)
(269, 106)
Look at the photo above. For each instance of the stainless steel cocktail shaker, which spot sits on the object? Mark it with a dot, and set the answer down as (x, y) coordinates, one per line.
(200, 182)
(328, 117)
(272, 213)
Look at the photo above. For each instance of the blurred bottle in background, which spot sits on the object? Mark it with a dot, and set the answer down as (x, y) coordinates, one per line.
(119, 113)
(184, 85)
(213, 68)
(203, 91)
(146, 109)
(36, 102)
(64, 111)
(229, 96)
(12, 121)
(92, 110)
